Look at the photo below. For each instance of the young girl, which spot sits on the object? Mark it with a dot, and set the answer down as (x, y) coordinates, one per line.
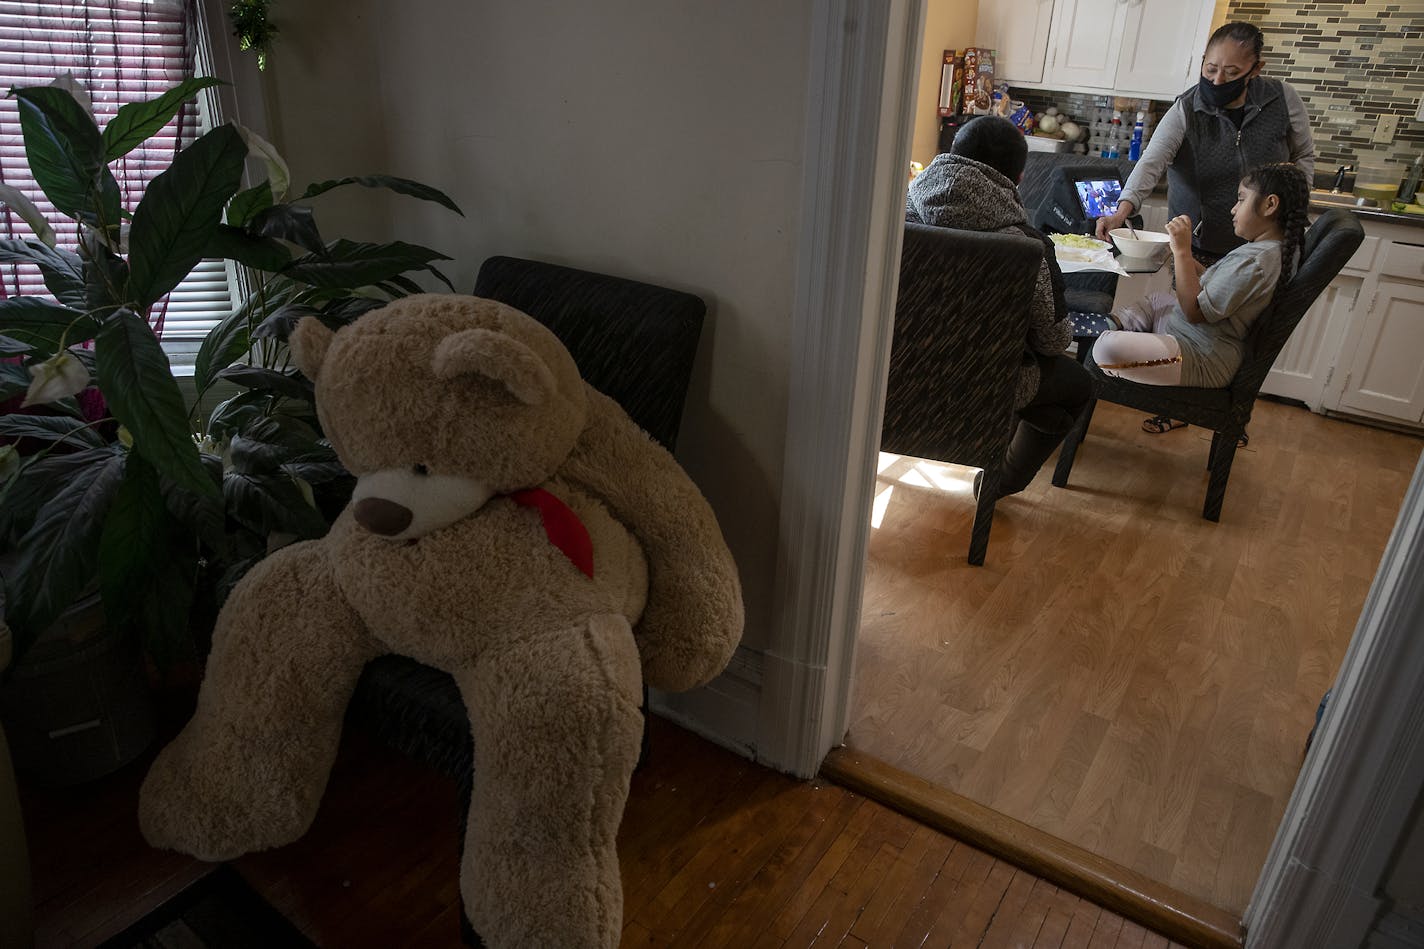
(1196, 335)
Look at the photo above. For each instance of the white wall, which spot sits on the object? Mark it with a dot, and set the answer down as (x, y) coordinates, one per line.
(655, 139)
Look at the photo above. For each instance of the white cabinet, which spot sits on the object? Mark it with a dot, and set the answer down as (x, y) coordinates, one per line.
(1162, 44)
(1140, 48)
(1018, 31)
(1385, 374)
(1359, 351)
(1086, 41)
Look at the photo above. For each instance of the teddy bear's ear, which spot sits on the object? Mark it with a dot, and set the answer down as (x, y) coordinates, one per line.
(498, 357)
(309, 342)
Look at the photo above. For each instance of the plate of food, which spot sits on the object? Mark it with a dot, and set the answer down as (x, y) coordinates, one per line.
(1081, 252)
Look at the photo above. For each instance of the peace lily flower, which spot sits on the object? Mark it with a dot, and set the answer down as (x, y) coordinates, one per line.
(58, 377)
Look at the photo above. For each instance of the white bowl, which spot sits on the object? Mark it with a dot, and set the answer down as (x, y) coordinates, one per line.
(1144, 244)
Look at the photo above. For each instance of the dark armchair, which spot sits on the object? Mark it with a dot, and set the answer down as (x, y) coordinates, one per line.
(633, 341)
(961, 319)
(1328, 244)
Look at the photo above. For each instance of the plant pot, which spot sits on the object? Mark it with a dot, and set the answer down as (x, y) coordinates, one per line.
(76, 706)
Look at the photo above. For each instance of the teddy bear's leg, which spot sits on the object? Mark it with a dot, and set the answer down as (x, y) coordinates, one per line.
(249, 769)
(557, 730)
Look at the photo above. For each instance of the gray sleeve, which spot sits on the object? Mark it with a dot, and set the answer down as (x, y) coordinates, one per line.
(1236, 285)
(1301, 142)
(1161, 149)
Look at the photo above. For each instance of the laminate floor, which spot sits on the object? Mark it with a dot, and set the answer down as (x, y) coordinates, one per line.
(1121, 673)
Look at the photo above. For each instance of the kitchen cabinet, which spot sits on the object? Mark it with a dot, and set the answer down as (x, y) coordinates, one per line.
(1359, 350)
(1017, 30)
(1139, 48)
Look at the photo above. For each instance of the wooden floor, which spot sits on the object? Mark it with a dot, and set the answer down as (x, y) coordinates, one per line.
(1122, 673)
(715, 851)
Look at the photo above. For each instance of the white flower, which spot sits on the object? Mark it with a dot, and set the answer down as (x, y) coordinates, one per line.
(58, 377)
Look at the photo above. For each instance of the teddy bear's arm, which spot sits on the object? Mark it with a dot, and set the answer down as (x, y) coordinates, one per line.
(249, 769)
(693, 619)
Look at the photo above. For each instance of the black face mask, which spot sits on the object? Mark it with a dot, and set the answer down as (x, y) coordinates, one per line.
(1219, 96)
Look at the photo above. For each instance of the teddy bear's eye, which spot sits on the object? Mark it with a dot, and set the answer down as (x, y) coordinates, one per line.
(421, 470)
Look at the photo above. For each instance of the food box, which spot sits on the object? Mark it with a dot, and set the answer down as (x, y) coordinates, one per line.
(978, 80)
(951, 84)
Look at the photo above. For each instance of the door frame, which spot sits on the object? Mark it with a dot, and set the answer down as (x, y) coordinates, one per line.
(1336, 840)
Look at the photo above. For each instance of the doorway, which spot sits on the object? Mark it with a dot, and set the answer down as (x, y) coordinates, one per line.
(841, 349)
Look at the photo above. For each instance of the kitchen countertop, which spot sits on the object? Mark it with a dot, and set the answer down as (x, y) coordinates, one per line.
(1375, 214)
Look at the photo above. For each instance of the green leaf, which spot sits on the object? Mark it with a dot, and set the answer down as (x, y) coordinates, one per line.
(179, 212)
(127, 554)
(247, 203)
(13, 347)
(37, 481)
(231, 415)
(106, 279)
(62, 270)
(63, 146)
(14, 380)
(202, 515)
(136, 122)
(59, 553)
(29, 212)
(350, 264)
(267, 503)
(138, 384)
(224, 343)
(291, 383)
(403, 186)
(167, 605)
(259, 253)
(290, 222)
(43, 325)
(49, 428)
(283, 320)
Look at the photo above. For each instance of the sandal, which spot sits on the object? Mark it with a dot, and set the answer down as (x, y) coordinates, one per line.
(1158, 424)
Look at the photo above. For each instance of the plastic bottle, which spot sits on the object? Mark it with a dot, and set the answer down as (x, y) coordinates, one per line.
(1114, 149)
(1410, 185)
(1134, 151)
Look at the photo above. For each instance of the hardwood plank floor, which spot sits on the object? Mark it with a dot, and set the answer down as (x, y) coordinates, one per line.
(715, 852)
(1121, 673)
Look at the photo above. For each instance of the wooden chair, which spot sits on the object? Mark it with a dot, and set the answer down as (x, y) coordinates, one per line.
(1328, 244)
(961, 319)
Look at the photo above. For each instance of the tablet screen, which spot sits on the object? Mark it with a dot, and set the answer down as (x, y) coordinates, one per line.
(1098, 197)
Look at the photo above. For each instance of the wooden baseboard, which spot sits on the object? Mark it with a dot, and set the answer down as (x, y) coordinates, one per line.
(1154, 905)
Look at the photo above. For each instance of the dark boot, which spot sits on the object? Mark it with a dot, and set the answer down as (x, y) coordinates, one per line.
(1028, 450)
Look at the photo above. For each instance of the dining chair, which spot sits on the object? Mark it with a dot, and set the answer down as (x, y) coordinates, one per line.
(1328, 245)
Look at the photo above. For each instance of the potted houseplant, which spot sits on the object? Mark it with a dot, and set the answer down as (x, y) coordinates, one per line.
(119, 491)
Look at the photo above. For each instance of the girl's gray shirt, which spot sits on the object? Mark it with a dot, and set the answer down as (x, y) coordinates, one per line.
(1234, 292)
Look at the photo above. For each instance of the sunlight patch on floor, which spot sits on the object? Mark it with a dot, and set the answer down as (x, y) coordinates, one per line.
(923, 473)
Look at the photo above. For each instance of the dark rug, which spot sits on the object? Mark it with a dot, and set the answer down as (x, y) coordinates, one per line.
(220, 911)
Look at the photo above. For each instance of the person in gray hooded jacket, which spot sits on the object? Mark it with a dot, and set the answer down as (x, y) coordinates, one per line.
(974, 187)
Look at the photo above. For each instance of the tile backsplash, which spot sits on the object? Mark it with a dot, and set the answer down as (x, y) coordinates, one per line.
(1351, 63)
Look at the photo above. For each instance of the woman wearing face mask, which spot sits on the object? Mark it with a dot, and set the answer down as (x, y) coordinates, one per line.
(1233, 120)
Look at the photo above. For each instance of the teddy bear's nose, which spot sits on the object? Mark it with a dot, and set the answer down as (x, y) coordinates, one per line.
(380, 516)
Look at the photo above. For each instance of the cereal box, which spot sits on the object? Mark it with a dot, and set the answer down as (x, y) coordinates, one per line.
(978, 80)
(951, 84)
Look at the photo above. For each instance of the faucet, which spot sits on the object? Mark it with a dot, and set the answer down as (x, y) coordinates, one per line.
(1340, 178)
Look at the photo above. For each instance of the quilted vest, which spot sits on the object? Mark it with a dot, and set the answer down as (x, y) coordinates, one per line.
(1202, 179)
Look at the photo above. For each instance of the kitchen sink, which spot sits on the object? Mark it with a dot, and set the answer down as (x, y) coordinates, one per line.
(1342, 200)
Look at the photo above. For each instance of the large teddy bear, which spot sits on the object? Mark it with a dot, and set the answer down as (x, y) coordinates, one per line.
(509, 525)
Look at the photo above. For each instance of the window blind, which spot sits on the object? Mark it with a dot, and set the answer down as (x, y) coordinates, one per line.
(122, 51)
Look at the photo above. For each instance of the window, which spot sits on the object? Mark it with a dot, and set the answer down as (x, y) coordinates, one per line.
(122, 51)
